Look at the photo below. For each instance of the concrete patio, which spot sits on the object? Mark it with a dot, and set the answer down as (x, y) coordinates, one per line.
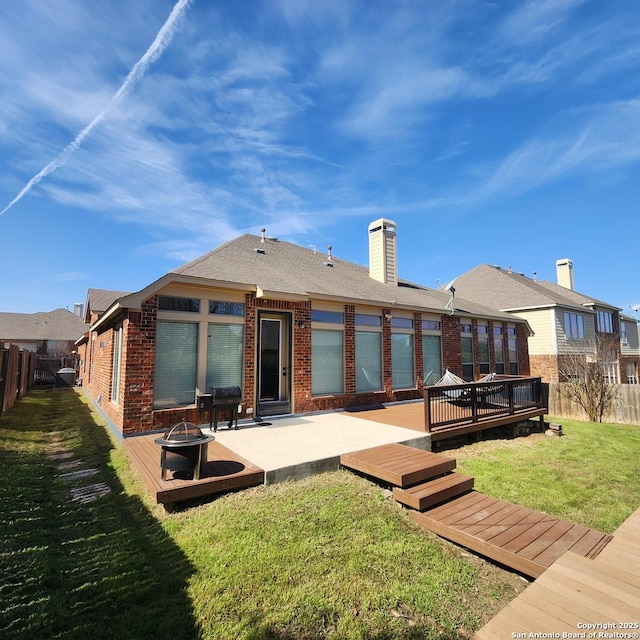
(294, 447)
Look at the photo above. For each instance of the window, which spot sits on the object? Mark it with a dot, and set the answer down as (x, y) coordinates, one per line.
(117, 362)
(431, 358)
(610, 367)
(402, 323)
(333, 317)
(498, 348)
(225, 355)
(466, 346)
(483, 348)
(605, 322)
(170, 303)
(430, 325)
(368, 361)
(176, 363)
(327, 362)
(632, 377)
(402, 361)
(512, 346)
(624, 336)
(226, 308)
(367, 320)
(573, 326)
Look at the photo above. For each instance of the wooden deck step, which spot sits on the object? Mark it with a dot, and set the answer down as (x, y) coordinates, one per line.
(398, 464)
(434, 491)
(526, 540)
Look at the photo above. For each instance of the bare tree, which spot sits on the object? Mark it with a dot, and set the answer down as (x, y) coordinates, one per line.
(589, 376)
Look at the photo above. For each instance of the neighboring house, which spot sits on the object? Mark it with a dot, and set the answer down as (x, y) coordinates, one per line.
(98, 301)
(564, 322)
(45, 333)
(297, 330)
(630, 350)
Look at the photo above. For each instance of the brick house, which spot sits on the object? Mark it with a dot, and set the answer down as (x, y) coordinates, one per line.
(296, 329)
(564, 322)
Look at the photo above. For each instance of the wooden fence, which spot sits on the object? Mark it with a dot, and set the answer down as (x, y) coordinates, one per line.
(625, 409)
(17, 372)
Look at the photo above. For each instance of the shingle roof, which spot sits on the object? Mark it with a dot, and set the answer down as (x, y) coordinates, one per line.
(286, 268)
(45, 325)
(501, 289)
(99, 300)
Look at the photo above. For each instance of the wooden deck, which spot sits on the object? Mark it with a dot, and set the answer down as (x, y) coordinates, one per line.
(576, 592)
(411, 415)
(445, 503)
(224, 471)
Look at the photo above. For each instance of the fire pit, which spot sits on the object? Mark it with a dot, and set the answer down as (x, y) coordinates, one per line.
(184, 448)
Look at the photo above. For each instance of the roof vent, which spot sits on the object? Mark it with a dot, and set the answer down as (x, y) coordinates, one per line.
(329, 262)
(260, 250)
(262, 237)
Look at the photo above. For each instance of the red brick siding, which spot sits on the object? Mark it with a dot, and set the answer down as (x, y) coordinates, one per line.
(135, 413)
(451, 345)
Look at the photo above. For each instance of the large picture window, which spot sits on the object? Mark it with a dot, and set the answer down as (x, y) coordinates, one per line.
(327, 362)
(498, 348)
(431, 358)
(225, 355)
(176, 363)
(512, 345)
(368, 361)
(466, 346)
(402, 371)
(483, 348)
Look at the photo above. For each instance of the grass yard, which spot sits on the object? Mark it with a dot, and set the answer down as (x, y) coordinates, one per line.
(328, 557)
(590, 475)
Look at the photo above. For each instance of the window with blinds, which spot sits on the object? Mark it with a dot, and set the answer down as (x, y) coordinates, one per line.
(176, 363)
(225, 355)
(327, 362)
(431, 359)
(402, 361)
(368, 361)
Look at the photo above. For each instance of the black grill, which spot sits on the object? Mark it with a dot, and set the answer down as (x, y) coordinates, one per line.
(221, 399)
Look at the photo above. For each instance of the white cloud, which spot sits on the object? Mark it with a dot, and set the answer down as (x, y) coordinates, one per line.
(602, 138)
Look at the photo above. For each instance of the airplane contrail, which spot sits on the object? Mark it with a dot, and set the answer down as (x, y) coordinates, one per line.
(162, 39)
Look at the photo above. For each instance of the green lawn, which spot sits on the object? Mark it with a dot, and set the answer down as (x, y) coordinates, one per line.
(590, 475)
(328, 557)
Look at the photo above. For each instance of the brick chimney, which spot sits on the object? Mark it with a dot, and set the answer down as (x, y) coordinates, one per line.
(564, 271)
(383, 257)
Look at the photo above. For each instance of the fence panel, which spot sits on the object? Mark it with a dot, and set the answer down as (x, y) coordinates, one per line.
(625, 408)
(17, 371)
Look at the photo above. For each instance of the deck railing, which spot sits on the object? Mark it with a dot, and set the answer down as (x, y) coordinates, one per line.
(477, 402)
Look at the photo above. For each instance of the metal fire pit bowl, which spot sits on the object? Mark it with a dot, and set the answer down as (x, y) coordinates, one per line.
(184, 448)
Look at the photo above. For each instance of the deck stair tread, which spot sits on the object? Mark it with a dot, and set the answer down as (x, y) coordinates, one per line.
(398, 464)
(526, 540)
(435, 491)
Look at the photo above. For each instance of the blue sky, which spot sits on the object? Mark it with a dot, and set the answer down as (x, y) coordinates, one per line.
(137, 135)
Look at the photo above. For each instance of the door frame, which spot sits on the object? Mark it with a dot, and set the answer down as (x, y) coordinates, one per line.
(283, 403)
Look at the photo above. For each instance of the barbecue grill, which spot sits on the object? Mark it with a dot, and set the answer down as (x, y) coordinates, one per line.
(184, 448)
(221, 399)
